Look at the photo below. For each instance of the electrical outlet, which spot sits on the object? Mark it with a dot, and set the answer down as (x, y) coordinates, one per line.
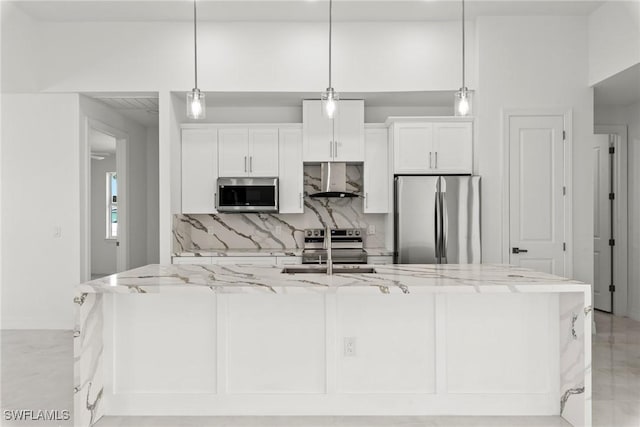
(371, 230)
(278, 230)
(349, 346)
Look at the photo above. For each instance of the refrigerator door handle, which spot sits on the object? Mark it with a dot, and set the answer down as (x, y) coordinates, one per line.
(445, 226)
(437, 225)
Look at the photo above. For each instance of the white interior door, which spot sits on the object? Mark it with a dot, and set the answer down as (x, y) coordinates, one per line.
(602, 186)
(536, 181)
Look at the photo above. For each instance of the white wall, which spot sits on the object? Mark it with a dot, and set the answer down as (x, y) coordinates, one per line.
(629, 116)
(251, 56)
(614, 39)
(20, 48)
(525, 63)
(103, 251)
(40, 169)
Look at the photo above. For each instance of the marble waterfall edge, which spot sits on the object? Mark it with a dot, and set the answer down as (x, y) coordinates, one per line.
(280, 231)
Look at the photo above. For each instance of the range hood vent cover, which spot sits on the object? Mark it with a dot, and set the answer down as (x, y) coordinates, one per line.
(334, 181)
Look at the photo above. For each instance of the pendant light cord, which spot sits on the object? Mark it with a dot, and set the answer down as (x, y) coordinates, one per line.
(195, 43)
(463, 44)
(330, 28)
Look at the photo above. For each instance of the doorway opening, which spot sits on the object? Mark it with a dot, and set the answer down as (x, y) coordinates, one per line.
(610, 219)
(107, 206)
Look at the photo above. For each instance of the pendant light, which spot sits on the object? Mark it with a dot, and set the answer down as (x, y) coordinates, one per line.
(462, 104)
(330, 96)
(196, 106)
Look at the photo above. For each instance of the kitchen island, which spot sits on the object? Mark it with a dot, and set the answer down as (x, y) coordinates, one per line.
(404, 340)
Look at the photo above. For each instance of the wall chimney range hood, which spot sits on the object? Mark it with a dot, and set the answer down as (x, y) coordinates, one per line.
(334, 181)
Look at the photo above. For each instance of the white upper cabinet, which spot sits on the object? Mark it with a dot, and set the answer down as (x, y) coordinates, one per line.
(452, 144)
(412, 144)
(317, 133)
(291, 178)
(248, 152)
(340, 139)
(433, 147)
(348, 131)
(199, 167)
(263, 152)
(233, 149)
(376, 170)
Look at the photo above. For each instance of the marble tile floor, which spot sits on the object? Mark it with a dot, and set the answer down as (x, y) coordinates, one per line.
(37, 373)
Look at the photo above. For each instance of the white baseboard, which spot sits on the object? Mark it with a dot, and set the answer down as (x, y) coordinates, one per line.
(634, 313)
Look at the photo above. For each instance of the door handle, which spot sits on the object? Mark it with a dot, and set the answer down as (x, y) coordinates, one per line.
(518, 251)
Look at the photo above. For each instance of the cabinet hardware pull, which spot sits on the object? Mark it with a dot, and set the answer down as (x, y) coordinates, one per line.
(436, 160)
(245, 163)
(429, 159)
(251, 163)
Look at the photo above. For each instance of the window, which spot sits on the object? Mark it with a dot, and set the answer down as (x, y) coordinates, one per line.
(112, 205)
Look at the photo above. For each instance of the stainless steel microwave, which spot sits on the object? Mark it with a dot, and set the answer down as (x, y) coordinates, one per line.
(247, 195)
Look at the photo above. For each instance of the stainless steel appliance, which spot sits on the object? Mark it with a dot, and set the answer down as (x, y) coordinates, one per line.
(247, 195)
(437, 219)
(347, 246)
(333, 181)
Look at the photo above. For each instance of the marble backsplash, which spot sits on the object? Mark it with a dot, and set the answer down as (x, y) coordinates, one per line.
(281, 231)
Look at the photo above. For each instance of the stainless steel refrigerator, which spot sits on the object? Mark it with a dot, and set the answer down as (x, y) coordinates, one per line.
(437, 219)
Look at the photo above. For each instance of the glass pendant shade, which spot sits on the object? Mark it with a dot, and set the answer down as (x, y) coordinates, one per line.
(329, 102)
(196, 106)
(463, 102)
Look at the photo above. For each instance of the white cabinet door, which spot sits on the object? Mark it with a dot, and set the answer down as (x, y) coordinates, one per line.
(263, 152)
(317, 133)
(376, 171)
(199, 170)
(412, 147)
(233, 152)
(291, 179)
(453, 147)
(348, 131)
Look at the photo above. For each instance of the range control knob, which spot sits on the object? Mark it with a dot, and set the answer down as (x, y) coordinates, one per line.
(357, 232)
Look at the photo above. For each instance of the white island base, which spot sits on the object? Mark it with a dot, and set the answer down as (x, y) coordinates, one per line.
(409, 340)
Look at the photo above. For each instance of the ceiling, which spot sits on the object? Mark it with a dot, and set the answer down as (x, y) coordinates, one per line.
(295, 10)
(621, 89)
(102, 145)
(141, 108)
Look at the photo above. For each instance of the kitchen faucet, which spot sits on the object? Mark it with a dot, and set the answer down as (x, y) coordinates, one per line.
(327, 243)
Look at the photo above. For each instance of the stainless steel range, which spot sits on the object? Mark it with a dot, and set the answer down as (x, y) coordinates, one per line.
(346, 243)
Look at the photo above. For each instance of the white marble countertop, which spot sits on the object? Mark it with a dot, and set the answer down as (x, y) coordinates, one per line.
(393, 278)
(205, 252)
